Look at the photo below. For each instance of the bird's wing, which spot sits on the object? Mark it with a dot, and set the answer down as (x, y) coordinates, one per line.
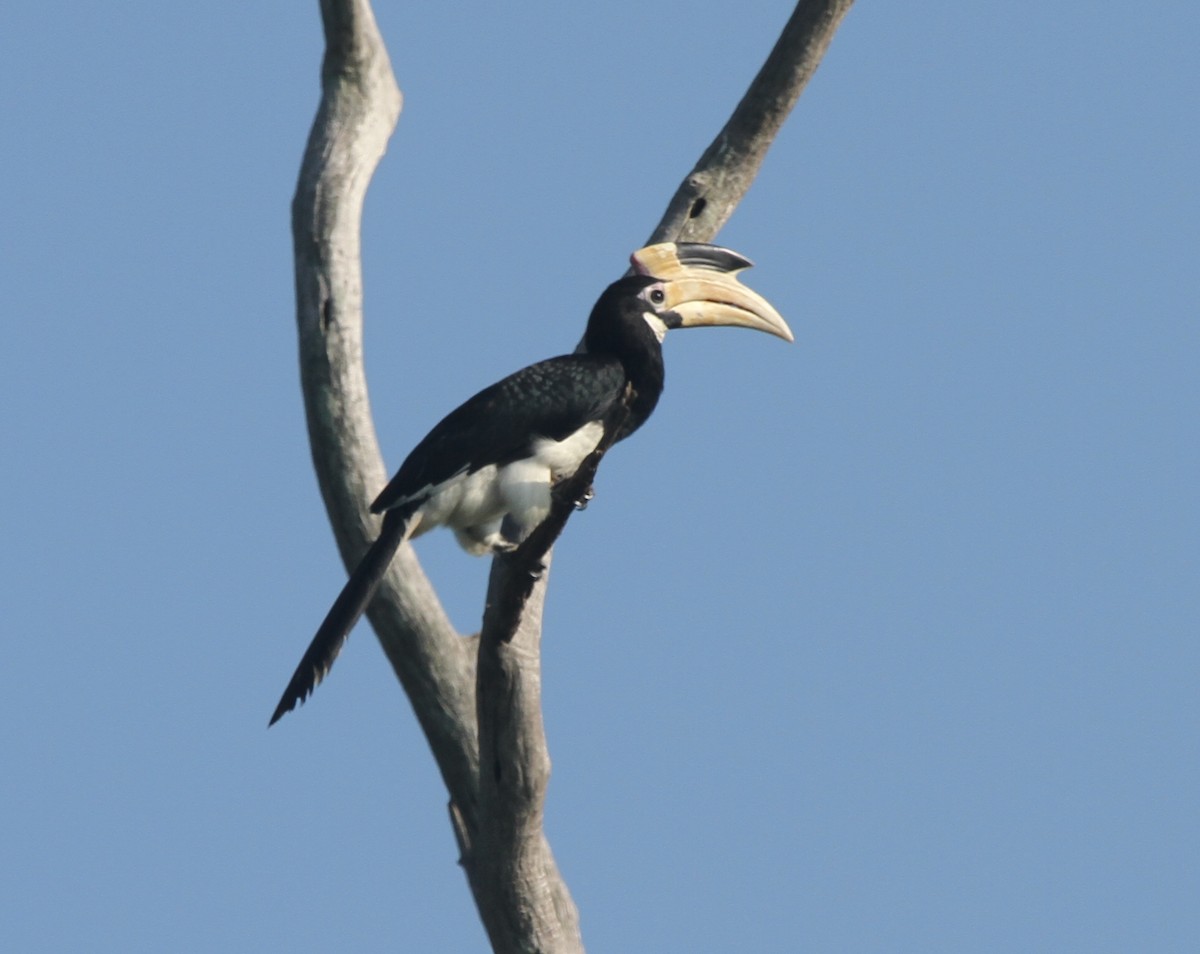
(552, 399)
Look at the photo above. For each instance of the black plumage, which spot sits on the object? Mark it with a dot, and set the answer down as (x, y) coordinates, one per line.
(486, 469)
(550, 399)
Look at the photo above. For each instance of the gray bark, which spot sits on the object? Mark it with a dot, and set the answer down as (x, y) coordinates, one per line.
(477, 699)
(708, 195)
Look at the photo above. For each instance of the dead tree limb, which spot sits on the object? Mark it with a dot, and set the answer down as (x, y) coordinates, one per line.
(708, 195)
(478, 701)
(360, 104)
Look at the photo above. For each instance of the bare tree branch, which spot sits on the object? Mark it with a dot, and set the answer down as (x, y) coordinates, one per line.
(711, 191)
(512, 851)
(477, 700)
(527, 907)
(360, 104)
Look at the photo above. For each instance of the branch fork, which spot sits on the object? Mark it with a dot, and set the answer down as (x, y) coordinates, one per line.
(478, 701)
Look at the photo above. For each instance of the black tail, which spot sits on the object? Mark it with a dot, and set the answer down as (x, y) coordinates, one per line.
(346, 609)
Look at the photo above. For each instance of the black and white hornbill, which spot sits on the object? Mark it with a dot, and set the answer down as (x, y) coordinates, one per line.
(487, 469)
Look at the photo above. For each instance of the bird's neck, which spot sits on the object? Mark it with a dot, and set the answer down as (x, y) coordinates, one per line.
(633, 343)
(646, 375)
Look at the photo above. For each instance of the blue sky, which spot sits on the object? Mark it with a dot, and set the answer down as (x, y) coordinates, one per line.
(884, 641)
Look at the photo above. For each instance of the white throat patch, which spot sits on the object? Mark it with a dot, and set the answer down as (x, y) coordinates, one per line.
(657, 325)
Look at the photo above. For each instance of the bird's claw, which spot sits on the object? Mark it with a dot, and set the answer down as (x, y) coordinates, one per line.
(585, 499)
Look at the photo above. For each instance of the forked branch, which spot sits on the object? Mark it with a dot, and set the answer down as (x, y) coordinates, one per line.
(478, 702)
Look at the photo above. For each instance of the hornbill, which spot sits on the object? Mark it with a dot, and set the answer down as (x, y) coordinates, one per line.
(487, 469)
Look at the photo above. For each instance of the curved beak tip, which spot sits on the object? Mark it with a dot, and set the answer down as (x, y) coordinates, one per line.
(704, 287)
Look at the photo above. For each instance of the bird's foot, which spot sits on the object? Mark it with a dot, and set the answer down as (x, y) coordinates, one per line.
(585, 498)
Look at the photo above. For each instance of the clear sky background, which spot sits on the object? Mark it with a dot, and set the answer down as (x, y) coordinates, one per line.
(883, 641)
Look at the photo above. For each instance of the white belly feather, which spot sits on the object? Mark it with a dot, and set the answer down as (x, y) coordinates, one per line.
(496, 508)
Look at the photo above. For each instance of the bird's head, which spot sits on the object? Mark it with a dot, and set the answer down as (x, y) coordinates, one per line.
(682, 285)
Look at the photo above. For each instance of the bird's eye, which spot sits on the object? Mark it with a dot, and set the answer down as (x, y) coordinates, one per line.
(658, 296)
